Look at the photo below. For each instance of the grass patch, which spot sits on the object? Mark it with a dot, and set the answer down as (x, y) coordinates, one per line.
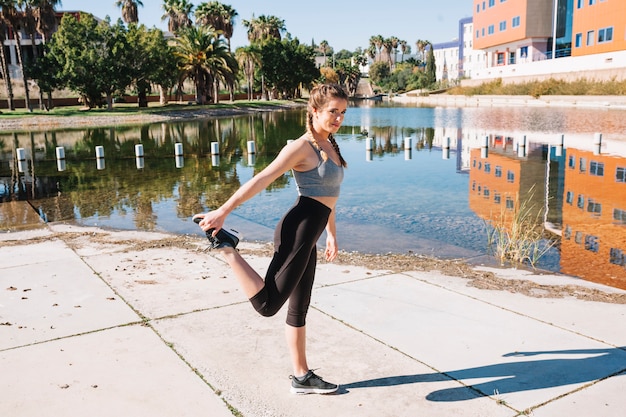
(552, 86)
(126, 109)
(517, 236)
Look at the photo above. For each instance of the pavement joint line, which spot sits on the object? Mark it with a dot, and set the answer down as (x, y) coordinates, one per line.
(514, 312)
(71, 336)
(395, 349)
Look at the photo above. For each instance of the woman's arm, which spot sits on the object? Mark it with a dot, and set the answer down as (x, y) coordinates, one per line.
(292, 155)
(331, 238)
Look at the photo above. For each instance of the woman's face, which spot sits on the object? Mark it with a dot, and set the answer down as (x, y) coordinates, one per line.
(330, 117)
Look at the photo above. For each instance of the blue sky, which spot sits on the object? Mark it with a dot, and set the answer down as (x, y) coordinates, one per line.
(344, 24)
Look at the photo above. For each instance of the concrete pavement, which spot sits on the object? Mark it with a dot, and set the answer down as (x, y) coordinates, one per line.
(101, 323)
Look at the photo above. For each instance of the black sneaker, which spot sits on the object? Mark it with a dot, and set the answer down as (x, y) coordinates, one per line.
(311, 384)
(224, 238)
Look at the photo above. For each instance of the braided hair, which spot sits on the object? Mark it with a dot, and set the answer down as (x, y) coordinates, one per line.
(320, 95)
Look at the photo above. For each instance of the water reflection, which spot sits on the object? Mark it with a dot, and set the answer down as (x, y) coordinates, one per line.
(429, 181)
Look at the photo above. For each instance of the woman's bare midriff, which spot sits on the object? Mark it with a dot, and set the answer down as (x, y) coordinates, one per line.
(329, 202)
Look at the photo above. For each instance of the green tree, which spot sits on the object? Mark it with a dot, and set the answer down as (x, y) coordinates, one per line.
(286, 65)
(93, 57)
(149, 62)
(431, 69)
(129, 8)
(203, 56)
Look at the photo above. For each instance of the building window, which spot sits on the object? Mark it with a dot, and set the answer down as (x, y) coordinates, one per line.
(486, 192)
(619, 216)
(500, 58)
(512, 58)
(510, 176)
(605, 35)
(510, 204)
(483, 32)
(581, 201)
(497, 198)
(487, 167)
(620, 174)
(582, 165)
(491, 29)
(590, 36)
(579, 4)
(498, 171)
(478, 8)
(567, 232)
(592, 2)
(483, 5)
(492, 3)
(478, 34)
(569, 197)
(596, 168)
(515, 21)
(503, 26)
(616, 257)
(523, 52)
(594, 208)
(592, 243)
(578, 237)
(579, 40)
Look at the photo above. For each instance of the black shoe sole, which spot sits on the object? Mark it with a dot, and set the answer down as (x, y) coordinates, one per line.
(224, 237)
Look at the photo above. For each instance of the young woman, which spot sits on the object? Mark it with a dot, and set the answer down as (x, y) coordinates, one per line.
(317, 167)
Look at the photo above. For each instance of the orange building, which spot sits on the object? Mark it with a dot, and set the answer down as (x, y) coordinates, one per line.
(598, 26)
(519, 31)
(594, 218)
(512, 31)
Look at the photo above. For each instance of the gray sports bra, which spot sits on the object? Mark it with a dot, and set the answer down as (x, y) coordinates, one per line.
(321, 181)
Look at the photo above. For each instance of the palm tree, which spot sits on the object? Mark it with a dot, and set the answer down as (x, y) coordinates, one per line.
(4, 65)
(203, 56)
(264, 27)
(220, 16)
(45, 16)
(323, 48)
(248, 58)
(394, 41)
(377, 43)
(177, 12)
(12, 17)
(130, 13)
(405, 48)
(46, 24)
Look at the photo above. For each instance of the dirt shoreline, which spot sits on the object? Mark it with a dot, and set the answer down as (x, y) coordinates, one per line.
(44, 122)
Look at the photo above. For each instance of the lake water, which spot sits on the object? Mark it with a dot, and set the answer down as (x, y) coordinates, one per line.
(430, 184)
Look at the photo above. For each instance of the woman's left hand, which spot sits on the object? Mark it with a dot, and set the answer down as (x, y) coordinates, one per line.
(331, 249)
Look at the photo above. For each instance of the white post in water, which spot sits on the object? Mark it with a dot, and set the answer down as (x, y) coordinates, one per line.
(215, 148)
(60, 153)
(484, 150)
(215, 160)
(99, 152)
(100, 164)
(178, 149)
(597, 143)
(521, 148)
(22, 165)
(251, 147)
(408, 143)
(558, 149)
(445, 154)
(139, 150)
(180, 161)
(369, 144)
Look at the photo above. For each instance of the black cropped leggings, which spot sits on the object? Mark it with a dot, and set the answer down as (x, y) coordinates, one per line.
(292, 269)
